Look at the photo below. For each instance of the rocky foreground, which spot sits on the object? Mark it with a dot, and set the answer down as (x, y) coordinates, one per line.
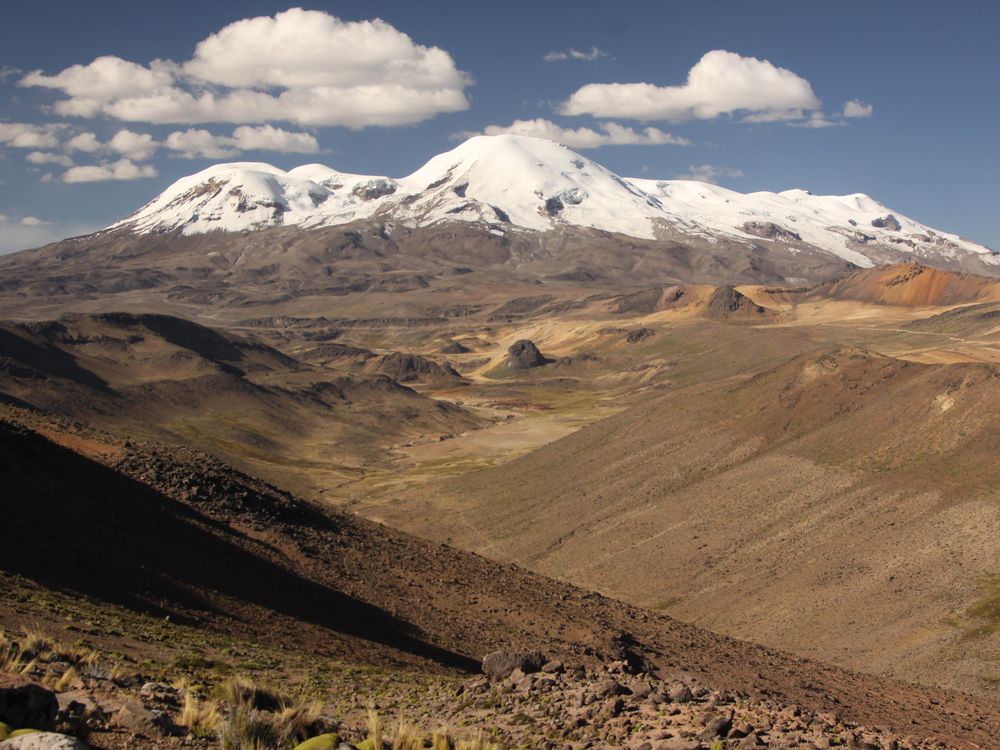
(520, 700)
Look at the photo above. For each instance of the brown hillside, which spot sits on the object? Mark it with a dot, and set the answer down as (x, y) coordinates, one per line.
(908, 285)
(841, 498)
(184, 536)
(170, 379)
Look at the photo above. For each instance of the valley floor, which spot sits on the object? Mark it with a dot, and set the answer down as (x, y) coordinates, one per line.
(811, 470)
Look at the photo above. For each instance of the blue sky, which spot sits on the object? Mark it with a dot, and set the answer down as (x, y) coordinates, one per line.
(928, 71)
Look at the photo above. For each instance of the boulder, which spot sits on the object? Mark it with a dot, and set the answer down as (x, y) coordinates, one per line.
(135, 716)
(887, 222)
(716, 725)
(639, 334)
(500, 664)
(678, 692)
(43, 741)
(26, 704)
(76, 708)
(609, 687)
(524, 355)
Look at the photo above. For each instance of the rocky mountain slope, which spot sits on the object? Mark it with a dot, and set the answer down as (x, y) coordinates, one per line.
(838, 504)
(193, 547)
(164, 377)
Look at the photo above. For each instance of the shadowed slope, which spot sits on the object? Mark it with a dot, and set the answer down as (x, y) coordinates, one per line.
(87, 528)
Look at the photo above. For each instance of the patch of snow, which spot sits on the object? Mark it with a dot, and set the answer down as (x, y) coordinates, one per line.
(532, 184)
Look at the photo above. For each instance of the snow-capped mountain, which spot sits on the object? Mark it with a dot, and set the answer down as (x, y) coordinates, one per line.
(510, 184)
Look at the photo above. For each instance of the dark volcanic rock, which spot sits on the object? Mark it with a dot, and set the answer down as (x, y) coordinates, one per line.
(499, 664)
(887, 222)
(25, 704)
(727, 302)
(455, 347)
(523, 355)
(768, 230)
(407, 368)
(639, 334)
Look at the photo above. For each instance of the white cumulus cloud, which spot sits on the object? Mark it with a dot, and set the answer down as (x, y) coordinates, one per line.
(47, 157)
(123, 169)
(134, 146)
(857, 108)
(270, 138)
(819, 120)
(86, 142)
(609, 134)
(575, 54)
(105, 79)
(708, 173)
(29, 135)
(301, 66)
(720, 83)
(198, 143)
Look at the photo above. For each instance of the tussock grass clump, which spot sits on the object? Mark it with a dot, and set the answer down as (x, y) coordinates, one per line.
(250, 729)
(407, 737)
(36, 643)
(65, 680)
(299, 721)
(10, 657)
(201, 717)
(242, 691)
(479, 742)
(263, 719)
(37, 653)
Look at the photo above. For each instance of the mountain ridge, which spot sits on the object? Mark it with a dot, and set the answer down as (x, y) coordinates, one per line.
(509, 183)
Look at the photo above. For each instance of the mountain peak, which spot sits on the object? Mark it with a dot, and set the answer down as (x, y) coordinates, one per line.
(505, 183)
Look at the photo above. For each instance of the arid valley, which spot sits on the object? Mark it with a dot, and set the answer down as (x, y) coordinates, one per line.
(510, 450)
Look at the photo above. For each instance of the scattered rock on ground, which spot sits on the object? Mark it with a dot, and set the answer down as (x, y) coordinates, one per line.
(500, 664)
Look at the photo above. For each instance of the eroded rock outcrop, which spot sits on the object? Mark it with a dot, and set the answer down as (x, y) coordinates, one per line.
(524, 355)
